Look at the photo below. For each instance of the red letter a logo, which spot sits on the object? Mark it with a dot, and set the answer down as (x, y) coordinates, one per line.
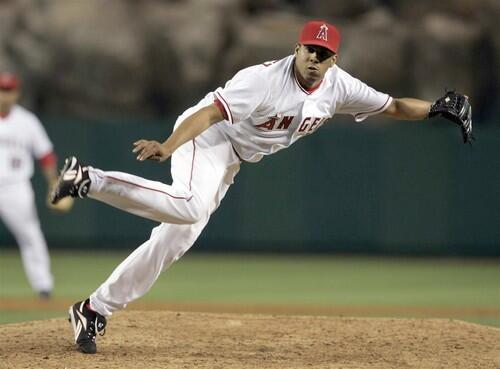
(323, 33)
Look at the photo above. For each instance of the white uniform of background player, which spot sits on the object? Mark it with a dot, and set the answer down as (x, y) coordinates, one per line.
(23, 138)
(261, 110)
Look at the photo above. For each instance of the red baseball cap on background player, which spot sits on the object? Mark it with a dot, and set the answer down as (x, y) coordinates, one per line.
(320, 33)
(9, 81)
(9, 92)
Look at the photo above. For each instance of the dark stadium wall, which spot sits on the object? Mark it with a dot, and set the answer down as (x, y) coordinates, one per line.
(376, 187)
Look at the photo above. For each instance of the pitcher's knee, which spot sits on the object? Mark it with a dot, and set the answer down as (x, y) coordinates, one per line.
(196, 212)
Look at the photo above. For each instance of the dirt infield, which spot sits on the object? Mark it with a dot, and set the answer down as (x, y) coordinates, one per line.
(153, 339)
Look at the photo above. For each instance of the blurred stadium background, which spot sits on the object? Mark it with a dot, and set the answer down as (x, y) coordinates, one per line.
(375, 219)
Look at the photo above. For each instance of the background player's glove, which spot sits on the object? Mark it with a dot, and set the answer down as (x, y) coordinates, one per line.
(455, 107)
(63, 206)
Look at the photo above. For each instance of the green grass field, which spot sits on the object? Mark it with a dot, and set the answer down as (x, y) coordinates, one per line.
(468, 289)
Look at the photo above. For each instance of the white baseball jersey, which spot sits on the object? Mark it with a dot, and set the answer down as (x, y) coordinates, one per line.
(268, 110)
(22, 137)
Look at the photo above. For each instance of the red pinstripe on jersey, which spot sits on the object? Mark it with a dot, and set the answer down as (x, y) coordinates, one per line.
(192, 165)
(156, 190)
(226, 107)
(221, 108)
(148, 188)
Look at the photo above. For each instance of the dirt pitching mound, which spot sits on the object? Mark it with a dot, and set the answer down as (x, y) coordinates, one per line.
(155, 339)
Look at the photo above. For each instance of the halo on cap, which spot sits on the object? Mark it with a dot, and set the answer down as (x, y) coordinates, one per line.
(320, 33)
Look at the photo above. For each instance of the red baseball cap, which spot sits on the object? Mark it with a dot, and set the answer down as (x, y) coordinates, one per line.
(8, 81)
(320, 33)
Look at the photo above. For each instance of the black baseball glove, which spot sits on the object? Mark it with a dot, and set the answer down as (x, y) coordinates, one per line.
(455, 107)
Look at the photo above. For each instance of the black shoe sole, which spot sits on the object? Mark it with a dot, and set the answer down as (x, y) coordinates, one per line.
(86, 350)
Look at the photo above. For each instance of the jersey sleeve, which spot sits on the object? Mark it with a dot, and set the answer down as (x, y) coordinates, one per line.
(242, 95)
(361, 100)
(40, 142)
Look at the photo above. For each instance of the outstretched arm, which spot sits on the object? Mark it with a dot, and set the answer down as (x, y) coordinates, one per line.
(191, 127)
(452, 106)
(408, 109)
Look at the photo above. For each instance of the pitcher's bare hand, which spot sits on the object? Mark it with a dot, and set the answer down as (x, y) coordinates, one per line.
(150, 150)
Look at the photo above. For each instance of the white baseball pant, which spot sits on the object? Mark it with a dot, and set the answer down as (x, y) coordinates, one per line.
(202, 171)
(18, 212)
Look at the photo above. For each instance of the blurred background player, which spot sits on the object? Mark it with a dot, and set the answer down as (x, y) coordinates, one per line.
(22, 138)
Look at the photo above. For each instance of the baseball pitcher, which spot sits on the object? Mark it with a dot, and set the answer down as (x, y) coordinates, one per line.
(261, 110)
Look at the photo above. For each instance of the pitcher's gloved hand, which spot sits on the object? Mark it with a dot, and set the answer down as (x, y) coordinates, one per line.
(455, 107)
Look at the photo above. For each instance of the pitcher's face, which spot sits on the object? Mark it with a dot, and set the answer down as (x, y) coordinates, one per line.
(312, 62)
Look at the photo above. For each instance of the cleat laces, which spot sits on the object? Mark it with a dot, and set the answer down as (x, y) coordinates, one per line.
(96, 326)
